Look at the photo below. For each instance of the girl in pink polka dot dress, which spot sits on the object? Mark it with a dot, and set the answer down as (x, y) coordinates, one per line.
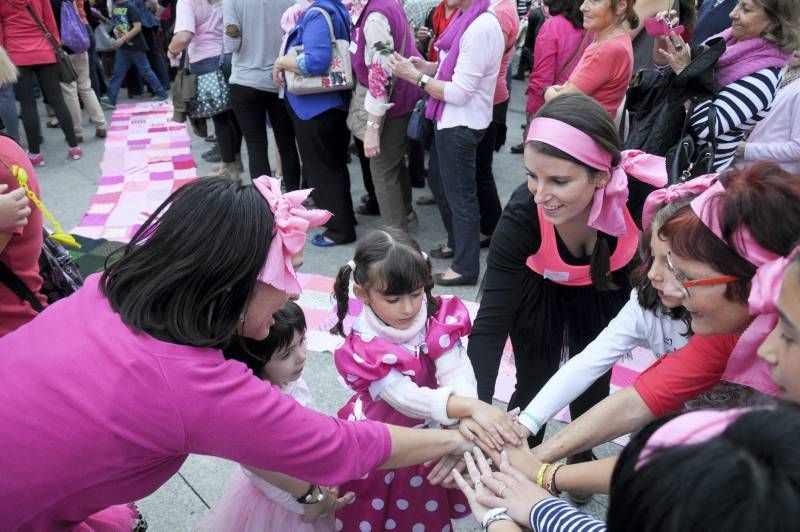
(405, 361)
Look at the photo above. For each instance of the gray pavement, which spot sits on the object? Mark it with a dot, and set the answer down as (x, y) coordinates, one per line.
(67, 187)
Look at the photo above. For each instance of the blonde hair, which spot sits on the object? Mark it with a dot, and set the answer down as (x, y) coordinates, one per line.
(785, 14)
(8, 72)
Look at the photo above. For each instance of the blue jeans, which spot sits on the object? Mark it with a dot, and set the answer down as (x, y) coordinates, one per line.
(210, 64)
(123, 60)
(8, 110)
(451, 172)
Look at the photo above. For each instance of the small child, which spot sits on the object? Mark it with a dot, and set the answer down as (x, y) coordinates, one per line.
(261, 501)
(131, 50)
(405, 361)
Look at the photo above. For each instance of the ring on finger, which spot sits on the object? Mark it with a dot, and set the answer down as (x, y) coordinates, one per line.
(502, 489)
(679, 47)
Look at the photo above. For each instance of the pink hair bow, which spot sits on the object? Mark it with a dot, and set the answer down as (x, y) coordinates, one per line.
(608, 205)
(292, 221)
(663, 196)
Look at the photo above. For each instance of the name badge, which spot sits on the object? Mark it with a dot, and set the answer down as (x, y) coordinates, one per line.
(353, 47)
(555, 276)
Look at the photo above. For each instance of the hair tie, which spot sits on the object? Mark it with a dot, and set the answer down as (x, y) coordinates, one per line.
(352, 264)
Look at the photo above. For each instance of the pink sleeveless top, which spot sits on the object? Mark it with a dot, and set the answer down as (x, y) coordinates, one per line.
(547, 261)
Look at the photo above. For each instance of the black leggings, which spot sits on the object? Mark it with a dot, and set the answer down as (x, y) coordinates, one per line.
(229, 135)
(47, 75)
(252, 107)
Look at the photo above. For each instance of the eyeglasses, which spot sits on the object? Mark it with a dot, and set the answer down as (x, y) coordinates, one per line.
(687, 283)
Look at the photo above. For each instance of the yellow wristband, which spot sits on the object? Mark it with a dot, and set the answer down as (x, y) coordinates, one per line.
(540, 474)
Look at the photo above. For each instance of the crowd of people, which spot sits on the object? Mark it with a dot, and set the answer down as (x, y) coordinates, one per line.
(660, 209)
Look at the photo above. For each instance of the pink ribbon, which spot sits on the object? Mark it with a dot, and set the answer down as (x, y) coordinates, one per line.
(292, 221)
(664, 196)
(744, 367)
(608, 205)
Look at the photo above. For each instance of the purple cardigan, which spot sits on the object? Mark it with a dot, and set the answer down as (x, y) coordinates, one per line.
(405, 94)
(95, 414)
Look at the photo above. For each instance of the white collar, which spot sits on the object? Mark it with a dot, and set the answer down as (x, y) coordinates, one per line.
(370, 323)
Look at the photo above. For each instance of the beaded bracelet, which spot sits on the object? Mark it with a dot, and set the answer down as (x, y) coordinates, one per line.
(550, 484)
(540, 474)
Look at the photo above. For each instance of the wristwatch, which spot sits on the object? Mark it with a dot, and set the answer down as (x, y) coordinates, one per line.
(423, 80)
(493, 515)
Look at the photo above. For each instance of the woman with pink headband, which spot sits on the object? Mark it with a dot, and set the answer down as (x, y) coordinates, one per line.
(727, 254)
(707, 470)
(558, 265)
(105, 393)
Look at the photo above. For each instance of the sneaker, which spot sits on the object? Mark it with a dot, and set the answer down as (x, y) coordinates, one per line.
(161, 97)
(36, 159)
(213, 155)
(107, 104)
(75, 153)
(101, 132)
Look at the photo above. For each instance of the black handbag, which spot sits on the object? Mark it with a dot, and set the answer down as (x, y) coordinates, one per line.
(686, 159)
(420, 128)
(66, 72)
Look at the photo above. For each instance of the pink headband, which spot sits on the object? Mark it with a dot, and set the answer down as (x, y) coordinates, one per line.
(608, 205)
(664, 196)
(744, 367)
(689, 429)
(292, 221)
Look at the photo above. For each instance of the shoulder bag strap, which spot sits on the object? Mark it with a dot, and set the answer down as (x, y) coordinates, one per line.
(328, 20)
(15, 284)
(574, 56)
(47, 34)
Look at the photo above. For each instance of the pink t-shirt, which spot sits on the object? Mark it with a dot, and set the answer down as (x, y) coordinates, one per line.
(95, 414)
(21, 254)
(506, 11)
(204, 20)
(604, 71)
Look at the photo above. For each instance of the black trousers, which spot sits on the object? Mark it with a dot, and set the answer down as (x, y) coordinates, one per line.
(323, 141)
(47, 75)
(252, 107)
(366, 172)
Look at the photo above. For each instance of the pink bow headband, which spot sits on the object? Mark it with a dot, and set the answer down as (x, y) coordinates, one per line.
(608, 205)
(292, 221)
(663, 196)
(689, 429)
(744, 367)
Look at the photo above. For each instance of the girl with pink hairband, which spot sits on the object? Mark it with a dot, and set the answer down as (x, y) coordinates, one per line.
(712, 470)
(727, 255)
(130, 371)
(558, 265)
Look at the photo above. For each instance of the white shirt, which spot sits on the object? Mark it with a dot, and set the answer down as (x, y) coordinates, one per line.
(470, 94)
(632, 327)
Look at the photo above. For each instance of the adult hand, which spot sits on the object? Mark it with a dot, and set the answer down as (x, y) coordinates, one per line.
(14, 209)
(372, 142)
(402, 67)
(521, 457)
(330, 503)
(740, 150)
(474, 486)
(473, 431)
(424, 66)
(673, 49)
(496, 423)
(424, 33)
(277, 73)
(512, 490)
(118, 43)
(442, 471)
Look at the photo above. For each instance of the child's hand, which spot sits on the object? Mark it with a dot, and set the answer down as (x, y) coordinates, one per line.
(442, 471)
(331, 503)
(14, 209)
(473, 431)
(497, 424)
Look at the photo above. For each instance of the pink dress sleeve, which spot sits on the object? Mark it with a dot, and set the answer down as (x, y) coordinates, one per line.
(364, 359)
(448, 326)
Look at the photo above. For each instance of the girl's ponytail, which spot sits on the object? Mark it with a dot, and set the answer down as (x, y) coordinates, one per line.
(433, 306)
(341, 291)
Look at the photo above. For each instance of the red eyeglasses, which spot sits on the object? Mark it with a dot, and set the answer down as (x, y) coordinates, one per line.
(687, 283)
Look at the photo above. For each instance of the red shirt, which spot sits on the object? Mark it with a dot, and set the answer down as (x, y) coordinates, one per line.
(506, 12)
(440, 23)
(21, 254)
(21, 36)
(684, 374)
(604, 71)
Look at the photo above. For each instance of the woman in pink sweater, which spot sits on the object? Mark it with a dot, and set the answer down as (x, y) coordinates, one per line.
(33, 55)
(105, 394)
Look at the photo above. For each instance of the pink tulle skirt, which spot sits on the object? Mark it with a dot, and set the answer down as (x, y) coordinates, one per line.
(118, 518)
(245, 508)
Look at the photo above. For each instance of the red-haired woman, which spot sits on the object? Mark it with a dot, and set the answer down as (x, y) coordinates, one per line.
(725, 250)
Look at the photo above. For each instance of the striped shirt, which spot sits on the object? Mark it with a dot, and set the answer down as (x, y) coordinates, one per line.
(556, 515)
(739, 106)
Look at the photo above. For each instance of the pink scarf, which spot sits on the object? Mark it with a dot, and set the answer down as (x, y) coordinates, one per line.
(742, 58)
(450, 41)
